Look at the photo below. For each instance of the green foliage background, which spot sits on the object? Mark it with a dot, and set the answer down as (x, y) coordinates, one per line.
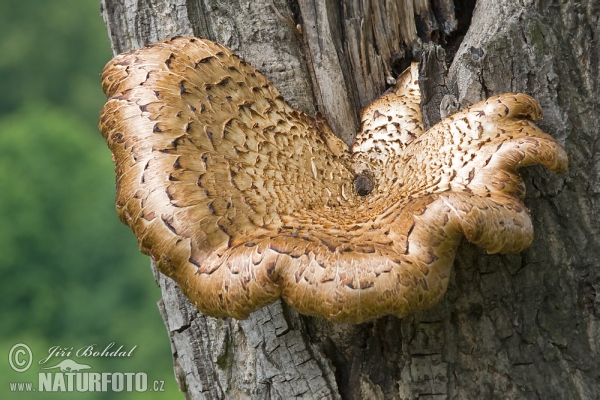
(71, 274)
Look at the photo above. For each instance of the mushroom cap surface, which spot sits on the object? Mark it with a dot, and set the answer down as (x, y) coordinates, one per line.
(242, 199)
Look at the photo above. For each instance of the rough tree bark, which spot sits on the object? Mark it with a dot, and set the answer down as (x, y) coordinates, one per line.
(518, 326)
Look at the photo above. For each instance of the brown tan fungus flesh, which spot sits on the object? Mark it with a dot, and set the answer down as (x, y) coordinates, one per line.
(242, 199)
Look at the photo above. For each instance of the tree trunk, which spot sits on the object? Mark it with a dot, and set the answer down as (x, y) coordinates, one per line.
(517, 326)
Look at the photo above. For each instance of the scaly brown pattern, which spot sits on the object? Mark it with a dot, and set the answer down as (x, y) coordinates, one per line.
(242, 199)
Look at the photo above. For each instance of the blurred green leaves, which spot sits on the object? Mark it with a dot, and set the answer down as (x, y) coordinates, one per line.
(71, 272)
(52, 50)
(59, 226)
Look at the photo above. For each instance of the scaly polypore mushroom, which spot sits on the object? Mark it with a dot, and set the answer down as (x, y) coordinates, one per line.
(241, 199)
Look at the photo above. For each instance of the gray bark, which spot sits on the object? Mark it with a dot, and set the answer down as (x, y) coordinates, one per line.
(518, 326)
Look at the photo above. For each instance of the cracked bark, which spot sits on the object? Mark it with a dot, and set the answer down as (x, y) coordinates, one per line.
(516, 326)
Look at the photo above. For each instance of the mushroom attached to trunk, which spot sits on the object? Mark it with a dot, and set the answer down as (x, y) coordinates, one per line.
(242, 199)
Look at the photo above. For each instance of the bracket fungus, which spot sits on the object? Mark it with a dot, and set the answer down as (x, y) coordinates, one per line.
(242, 199)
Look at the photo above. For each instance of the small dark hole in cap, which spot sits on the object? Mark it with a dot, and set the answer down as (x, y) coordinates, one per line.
(365, 183)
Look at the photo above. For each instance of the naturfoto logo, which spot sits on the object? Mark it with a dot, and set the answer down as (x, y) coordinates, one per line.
(69, 366)
(68, 375)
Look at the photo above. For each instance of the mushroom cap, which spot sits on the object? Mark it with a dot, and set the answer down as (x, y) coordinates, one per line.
(242, 199)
